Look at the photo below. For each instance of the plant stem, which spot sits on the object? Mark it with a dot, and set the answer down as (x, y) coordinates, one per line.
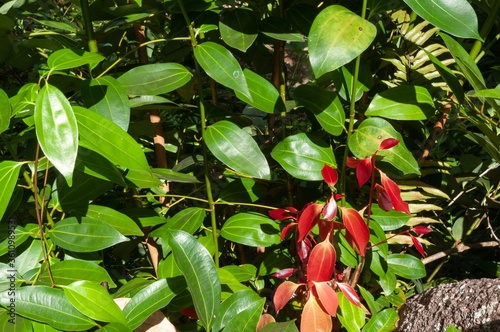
(485, 30)
(89, 29)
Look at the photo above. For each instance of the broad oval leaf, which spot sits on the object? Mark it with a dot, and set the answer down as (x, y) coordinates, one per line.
(106, 96)
(57, 130)
(154, 79)
(67, 58)
(303, 156)
(456, 17)
(283, 294)
(240, 312)
(356, 227)
(352, 317)
(9, 172)
(119, 221)
(199, 270)
(69, 271)
(221, 66)
(325, 105)
(264, 96)
(337, 37)
(92, 300)
(383, 321)
(321, 263)
(406, 266)
(251, 229)
(327, 297)
(188, 220)
(405, 102)
(237, 149)
(84, 235)
(238, 28)
(314, 318)
(367, 138)
(48, 305)
(5, 111)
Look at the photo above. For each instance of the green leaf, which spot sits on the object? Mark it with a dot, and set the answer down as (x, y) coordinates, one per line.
(237, 149)
(20, 236)
(301, 17)
(198, 268)
(325, 105)
(352, 317)
(367, 138)
(251, 229)
(289, 326)
(141, 178)
(92, 300)
(383, 321)
(94, 164)
(221, 66)
(48, 305)
(172, 176)
(188, 220)
(264, 95)
(114, 327)
(280, 29)
(119, 221)
(30, 258)
(389, 220)
(456, 17)
(151, 298)
(238, 28)
(343, 79)
(67, 58)
(405, 102)
(487, 93)
(69, 271)
(5, 111)
(84, 235)
(106, 96)
(448, 76)
(337, 36)
(406, 266)
(39, 327)
(154, 79)
(303, 156)
(240, 312)
(9, 172)
(243, 190)
(57, 130)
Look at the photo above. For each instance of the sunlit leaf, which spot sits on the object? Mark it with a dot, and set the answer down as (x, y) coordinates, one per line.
(238, 28)
(68, 58)
(251, 229)
(356, 227)
(314, 318)
(406, 266)
(327, 297)
(394, 193)
(240, 312)
(321, 264)
(9, 172)
(5, 111)
(283, 294)
(308, 219)
(349, 293)
(264, 96)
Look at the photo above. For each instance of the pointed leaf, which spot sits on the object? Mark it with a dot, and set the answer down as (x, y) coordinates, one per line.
(383, 198)
(448, 76)
(172, 176)
(188, 220)
(303, 156)
(92, 300)
(314, 318)
(422, 230)
(352, 317)
(264, 96)
(66, 59)
(198, 268)
(308, 218)
(69, 271)
(383, 321)
(394, 193)
(9, 172)
(388, 143)
(327, 297)
(251, 229)
(5, 111)
(364, 171)
(221, 66)
(84, 235)
(237, 149)
(119, 221)
(288, 326)
(418, 245)
(321, 264)
(406, 266)
(356, 227)
(238, 28)
(240, 312)
(329, 212)
(57, 130)
(330, 175)
(456, 17)
(349, 293)
(337, 36)
(325, 105)
(154, 79)
(283, 294)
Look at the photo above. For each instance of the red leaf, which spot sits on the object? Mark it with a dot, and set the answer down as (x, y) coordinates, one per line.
(364, 171)
(264, 320)
(418, 245)
(349, 293)
(330, 210)
(189, 312)
(394, 193)
(303, 250)
(384, 201)
(281, 214)
(325, 228)
(284, 293)
(321, 264)
(356, 227)
(352, 163)
(287, 229)
(284, 273)
(308, 218)
(314, 318)
(327, 297)
(422, 230)
(388, 143)
(330, 175)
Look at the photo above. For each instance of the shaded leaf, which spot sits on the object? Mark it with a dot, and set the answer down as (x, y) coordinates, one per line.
(238, 28)
(448, 76)
(5, 111)
(394, 193)
(283, 294)
(9, 172)
(327, 297)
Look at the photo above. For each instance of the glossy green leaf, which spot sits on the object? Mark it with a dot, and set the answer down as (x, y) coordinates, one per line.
(154, 79)
(242, 273)
(200, 273)
(383, 321)
(57, 130)
(448, 76)
(325, 105)
(151, 298)
(337, 37)
(221, 66)
(188, 220)
(456, 17)
(405, 102)
(20, 236)
(167, 267)
(352, 317)
(48, 305)
(114, 327)
(30, 258)
(69, 271)
(238, 28)
(141, 178)
(68, 58)
(84, 235)
(289, 326)
(92, 300)
(106, 96)
(251, 229)
(343, 79)
(95, 133)
(243, 190)
(303, 156)
(39, 327)
(4, 111)
(389, 220)
(264, 96)
(406, 266)
(367, 138)
(119, 221)
(240, 312)
(488, 93)
(9, 172)
(237, 149)
(172, 176)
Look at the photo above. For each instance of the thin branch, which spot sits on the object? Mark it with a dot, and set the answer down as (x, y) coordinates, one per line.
(458, 249)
